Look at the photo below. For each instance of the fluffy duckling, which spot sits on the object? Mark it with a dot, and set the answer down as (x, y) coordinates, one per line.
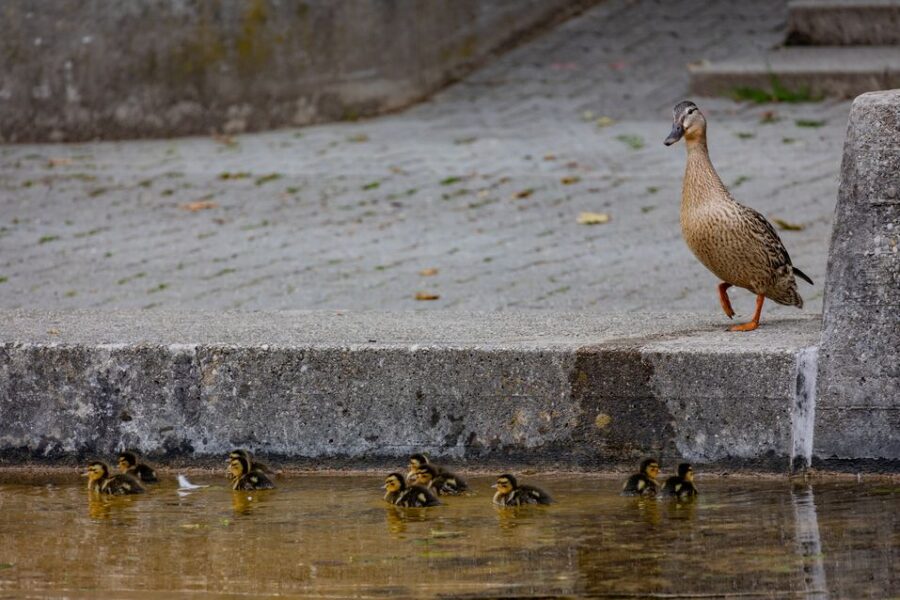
(511, 493)
(400, 494)
(246, 477)
(416, 461)
(733, 241)
(99, 480)
(643, 483)
(254, 464)
(681, 485)
(442, 483)
(128, 463)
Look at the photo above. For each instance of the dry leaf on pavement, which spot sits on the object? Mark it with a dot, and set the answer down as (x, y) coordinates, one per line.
(592, 218)
(426, 296)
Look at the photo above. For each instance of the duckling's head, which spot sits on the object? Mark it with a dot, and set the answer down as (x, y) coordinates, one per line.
(650, 467)
(506, 483)
(686, 471)
(425, 474)
(687, 122)
(394, 482)
(126, 460)
(238, 466)
(416, 461)
(239, 453)
(96, 471)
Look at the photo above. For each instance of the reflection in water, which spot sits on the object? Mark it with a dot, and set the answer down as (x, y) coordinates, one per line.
(809, 546)
(331, 536)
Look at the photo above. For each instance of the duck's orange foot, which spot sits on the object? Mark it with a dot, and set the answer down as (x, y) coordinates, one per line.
(745, 327)
(755, 322)
(724, 300)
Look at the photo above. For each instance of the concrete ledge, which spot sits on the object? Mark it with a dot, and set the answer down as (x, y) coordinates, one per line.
(844, 22)
(73, 70)
(549, 389)
(834, 71)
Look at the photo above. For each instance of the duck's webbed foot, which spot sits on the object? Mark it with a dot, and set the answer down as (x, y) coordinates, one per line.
(755, 322)
(723, 298)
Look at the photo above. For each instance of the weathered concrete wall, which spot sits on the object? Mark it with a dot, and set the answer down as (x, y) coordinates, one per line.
(548, 389)
(75, 70)
(858, 406)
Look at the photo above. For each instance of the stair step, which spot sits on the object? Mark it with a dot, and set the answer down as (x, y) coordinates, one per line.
(843, 22)
(842, 71)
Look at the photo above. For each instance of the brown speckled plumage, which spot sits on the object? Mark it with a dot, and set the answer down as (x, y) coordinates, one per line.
(733, 241)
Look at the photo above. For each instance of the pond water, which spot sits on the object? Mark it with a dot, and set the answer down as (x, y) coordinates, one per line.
(321, 536)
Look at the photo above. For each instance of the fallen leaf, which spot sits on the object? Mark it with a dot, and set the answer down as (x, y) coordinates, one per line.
(53, 331)
(225, 140)
(426, 296)
(592, 218)
(428, 272)
(787, 226)
(549, 157)
(570, 180)
(59, 162)
(604, 122)
(199, 205)
(523, 193)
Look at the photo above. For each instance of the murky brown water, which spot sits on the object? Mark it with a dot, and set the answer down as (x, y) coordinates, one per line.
(332, 537)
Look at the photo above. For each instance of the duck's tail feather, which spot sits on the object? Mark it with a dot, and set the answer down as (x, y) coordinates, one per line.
(802, 275)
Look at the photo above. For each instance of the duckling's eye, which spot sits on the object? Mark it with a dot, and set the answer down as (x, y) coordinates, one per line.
(691, 110)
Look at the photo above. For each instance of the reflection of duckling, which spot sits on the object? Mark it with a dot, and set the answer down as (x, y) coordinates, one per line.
(681, 485)
(440, 482)
(246, 477)
(510, 493)
(99, 480)
(643, 483)
(128, 463)
(399, 494)
(254, 464)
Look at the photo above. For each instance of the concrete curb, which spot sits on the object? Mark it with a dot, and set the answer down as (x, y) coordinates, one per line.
(538, 388)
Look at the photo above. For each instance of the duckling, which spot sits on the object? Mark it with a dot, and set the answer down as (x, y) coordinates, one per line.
(128, 463)
(643, 483)
(511, 493)
(400, 494)
(415, 462)
(254, 464)
(442, 483)
(681, 485)
(99, 480)
(247, 477)
(733, 241)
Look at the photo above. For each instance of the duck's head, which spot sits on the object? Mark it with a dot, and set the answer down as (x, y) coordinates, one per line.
(416, 461)
(96, 471)
(394, 483)
(425, 474)
(238, 466)
(239, 453)
(126, 460)
(506, 483)
(686, 471)
(650, 467)
(687, 122)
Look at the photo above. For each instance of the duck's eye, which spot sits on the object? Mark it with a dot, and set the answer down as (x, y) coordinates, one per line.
(691, 110)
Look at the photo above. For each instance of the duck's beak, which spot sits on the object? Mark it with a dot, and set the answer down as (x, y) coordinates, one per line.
(675, 134)
(494, 486)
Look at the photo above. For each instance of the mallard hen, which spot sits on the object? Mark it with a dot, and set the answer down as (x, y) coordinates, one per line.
(733, 241)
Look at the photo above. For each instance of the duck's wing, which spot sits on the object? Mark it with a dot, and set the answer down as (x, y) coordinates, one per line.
(763, 231)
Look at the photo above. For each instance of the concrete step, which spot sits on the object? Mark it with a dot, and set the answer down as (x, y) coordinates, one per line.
(362, 388)
(839, 71)
(844, 22)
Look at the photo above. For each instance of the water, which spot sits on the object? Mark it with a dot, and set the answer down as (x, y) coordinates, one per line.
(332, 537)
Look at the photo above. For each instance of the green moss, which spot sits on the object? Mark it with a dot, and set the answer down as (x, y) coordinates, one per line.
(371, 186)
(44, 239)
(777, 92)
(635, 142)
(252, 44)
(267, 178)
(809, 123)
(450, 180)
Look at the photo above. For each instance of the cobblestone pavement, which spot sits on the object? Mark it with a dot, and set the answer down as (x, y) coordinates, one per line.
(472, 196)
